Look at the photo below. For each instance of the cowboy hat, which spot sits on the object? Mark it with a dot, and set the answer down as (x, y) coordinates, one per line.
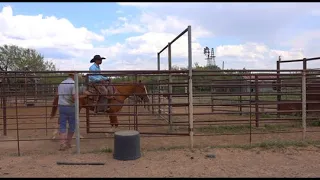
(96, 57)
(72, 73)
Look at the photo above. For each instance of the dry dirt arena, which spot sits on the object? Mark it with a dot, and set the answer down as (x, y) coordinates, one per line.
(161, 156)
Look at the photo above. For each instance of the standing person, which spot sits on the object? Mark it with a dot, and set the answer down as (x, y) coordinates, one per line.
(101, 82)
(66, 92)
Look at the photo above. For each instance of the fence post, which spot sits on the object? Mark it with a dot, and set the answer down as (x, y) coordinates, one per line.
(4, 103)
(76, 83)
(278, 87)
(169, 88)
(304, 105)
(257, 100)
(190, 95)
(159, 110)
(212, 90)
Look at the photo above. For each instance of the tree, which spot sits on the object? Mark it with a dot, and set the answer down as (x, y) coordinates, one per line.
(15, 58)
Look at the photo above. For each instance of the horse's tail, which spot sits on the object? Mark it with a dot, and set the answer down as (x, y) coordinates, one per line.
(54, 106)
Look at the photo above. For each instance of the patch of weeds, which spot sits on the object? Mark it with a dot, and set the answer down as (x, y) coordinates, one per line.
(262, 145)
(106, 150)
(283, 144)
(278, 127)
(273, 144)
(267, 115)
(172, 148)
(224, 129)
(169, 148)
(245, 128)
(101, 150)
(314, 123)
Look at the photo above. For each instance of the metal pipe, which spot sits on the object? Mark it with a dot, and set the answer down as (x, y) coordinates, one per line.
(159, 108)
(190, 86)
(80, 163)
(76, 104)
(169, 88)
(176, 38)
(304, 105)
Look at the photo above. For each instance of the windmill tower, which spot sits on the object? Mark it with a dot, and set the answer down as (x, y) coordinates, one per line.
(210, 57)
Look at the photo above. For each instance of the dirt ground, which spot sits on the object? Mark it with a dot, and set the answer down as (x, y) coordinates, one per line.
(289, 162)
(38, 157)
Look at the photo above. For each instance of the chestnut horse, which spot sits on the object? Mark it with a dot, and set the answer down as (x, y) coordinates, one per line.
(122, 92)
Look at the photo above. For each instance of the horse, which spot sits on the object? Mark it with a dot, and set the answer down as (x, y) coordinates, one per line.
(122, 92)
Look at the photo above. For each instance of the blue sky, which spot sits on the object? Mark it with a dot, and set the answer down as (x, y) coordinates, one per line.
(250, 35)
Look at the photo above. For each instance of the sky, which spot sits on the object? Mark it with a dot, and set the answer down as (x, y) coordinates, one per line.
(129, 35)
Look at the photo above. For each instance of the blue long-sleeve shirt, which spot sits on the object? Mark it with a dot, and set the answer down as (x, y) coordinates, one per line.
(96, 69)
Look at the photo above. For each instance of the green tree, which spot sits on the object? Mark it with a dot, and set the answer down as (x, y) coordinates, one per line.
(15, 58)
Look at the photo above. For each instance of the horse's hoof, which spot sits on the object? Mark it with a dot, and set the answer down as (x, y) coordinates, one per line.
(108, 134)
(54, 139)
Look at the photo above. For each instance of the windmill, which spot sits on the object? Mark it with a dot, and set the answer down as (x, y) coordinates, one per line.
(210, 57)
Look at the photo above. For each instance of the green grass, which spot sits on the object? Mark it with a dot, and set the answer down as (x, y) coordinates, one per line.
(261, 97)
(262, 145)
(246, 128)
(236, 129)
(101, 150)
(106, 150)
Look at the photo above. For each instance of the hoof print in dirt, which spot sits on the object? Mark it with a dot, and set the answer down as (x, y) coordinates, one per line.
(211, 156)
(191, 158)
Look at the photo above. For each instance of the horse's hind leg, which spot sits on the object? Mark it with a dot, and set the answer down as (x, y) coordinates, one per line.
(114, 124)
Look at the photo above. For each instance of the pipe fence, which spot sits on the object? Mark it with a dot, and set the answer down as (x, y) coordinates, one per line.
(242, 103)
(232, 106)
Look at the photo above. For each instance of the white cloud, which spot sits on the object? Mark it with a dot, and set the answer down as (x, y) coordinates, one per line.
(138, 4)
(254, 55)
(315, 12)
(75, 44)
(307, 42)
(149, 22)
(251, 51)
(43, 32)
(119, 12)
(126, 27)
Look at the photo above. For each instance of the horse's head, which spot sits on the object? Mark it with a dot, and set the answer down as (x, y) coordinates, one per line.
(141, 91)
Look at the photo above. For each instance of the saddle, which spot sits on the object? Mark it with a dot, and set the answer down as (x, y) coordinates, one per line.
(97, 98)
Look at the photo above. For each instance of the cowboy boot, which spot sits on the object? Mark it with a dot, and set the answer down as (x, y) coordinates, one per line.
(69, 139)
(63, 138)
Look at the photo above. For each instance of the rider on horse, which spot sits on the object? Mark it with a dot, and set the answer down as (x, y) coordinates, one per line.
(100, 83)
